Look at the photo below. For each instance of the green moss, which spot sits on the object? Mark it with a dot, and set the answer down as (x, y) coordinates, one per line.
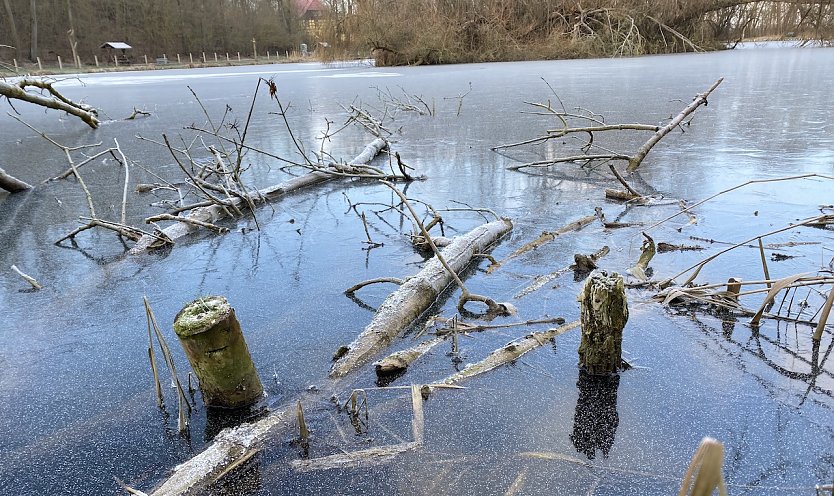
(201, 314)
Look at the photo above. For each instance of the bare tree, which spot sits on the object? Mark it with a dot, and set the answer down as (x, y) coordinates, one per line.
(13, 27)
(33, 34)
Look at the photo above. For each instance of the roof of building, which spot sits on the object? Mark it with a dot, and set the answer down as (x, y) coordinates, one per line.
(118, 45)
(305, 6)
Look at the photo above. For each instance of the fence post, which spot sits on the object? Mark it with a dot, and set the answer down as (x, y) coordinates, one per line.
(95, 57)
(60, 64)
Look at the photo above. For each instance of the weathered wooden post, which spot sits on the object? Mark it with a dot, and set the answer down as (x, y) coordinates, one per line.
(604, 313)
(210, 334)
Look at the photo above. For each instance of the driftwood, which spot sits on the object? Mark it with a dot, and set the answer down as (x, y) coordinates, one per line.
(582, 264)
(26, 277)
(593, 123)
(545, 237)
(701, 99)
(55, 100)
(403, 306)
(509, 353)
(212, 213)
(400, 360)
(227, 449)
(647, 252)
(11, 183)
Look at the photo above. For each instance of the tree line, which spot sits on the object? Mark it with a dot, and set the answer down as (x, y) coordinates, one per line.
(50, 28)
(447, 31)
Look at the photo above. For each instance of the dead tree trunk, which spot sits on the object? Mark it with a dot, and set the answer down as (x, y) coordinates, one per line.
(604, 314)
(11, 183)
(55, 101)
(210, 334)
(416, 295)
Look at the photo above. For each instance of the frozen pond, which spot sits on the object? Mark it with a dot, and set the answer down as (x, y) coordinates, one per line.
(76, 396)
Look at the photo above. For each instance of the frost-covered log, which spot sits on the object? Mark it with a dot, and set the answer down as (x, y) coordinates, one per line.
(416, 295)
(229, 448)
(53, 100)
(213, 213)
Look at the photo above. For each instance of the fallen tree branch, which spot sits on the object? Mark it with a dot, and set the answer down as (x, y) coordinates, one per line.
(356, 287)
(11, 183)
(55, 101)
(544, 237)
(509, 353)
(700, 265)
(416, 295)
(376, 455)
(212, 213)
(31, 280)
(599, 125)
(466, 295)
(700, 99)
(400, 360)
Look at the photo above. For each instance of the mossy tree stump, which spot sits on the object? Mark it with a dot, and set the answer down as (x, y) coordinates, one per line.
(604, 313)
(210, 334)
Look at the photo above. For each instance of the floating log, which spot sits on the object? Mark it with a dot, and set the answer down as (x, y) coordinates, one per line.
(213, 213)
(416, 295)
(604, 312)
(210, 334)
(509, 353)
(11, 183)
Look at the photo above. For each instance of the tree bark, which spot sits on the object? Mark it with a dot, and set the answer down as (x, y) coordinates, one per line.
(414, 297)
(11, 183)
(604, 313)
(210, 334)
